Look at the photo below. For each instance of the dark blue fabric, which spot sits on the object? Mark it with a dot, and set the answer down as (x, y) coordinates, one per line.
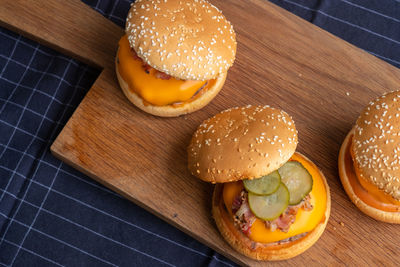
(50, 214)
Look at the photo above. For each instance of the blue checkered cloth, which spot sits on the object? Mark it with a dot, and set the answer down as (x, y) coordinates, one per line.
(50, 214)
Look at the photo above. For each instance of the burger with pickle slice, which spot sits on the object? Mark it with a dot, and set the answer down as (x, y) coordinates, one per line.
(269, 202)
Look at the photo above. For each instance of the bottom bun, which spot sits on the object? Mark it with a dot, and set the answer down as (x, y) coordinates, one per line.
(170, 110)
(344, 156)
(264, 251)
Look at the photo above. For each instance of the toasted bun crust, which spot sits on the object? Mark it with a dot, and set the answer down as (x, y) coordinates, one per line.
(385, 216)
(376, 144)
(242, 143)
(261, 251)
(169, 110)
(189, 40)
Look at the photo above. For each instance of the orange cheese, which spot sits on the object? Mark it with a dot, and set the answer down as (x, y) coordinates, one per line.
(153, 90)
(305, 221)
(368, 193)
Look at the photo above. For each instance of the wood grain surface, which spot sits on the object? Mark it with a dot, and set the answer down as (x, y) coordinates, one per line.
(283, 61)
(70, 27)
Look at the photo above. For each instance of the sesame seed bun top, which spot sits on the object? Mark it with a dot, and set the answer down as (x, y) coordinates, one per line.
(189, 40)
(242, 143)
(376, 144)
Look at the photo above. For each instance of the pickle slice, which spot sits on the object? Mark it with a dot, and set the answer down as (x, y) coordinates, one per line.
(265, 185)
(297, 179)
(271, 206)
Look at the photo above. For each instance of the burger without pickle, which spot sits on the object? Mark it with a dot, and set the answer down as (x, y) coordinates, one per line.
(270, 202)
(174, 56)
(369, 159)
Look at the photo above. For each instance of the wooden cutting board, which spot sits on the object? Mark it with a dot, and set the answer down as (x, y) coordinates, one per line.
(282, 60)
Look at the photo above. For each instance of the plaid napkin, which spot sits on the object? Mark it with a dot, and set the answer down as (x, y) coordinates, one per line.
(50, 214)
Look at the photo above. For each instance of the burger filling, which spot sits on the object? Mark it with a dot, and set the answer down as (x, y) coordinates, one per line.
(242, 215)
(288, 217)
(277, 216)
(244, 218)
(153, 86)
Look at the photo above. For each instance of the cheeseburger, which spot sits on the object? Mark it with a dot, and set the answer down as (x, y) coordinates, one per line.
(270, 203)
(369, 159)
(174, 56)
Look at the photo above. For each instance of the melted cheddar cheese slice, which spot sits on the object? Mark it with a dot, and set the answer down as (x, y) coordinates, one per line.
(305, 221)
(368, 193)
(153, 90)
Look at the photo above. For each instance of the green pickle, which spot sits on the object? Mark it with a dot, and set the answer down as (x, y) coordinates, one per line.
(265, 185)
(297, 179)
(269, 207)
